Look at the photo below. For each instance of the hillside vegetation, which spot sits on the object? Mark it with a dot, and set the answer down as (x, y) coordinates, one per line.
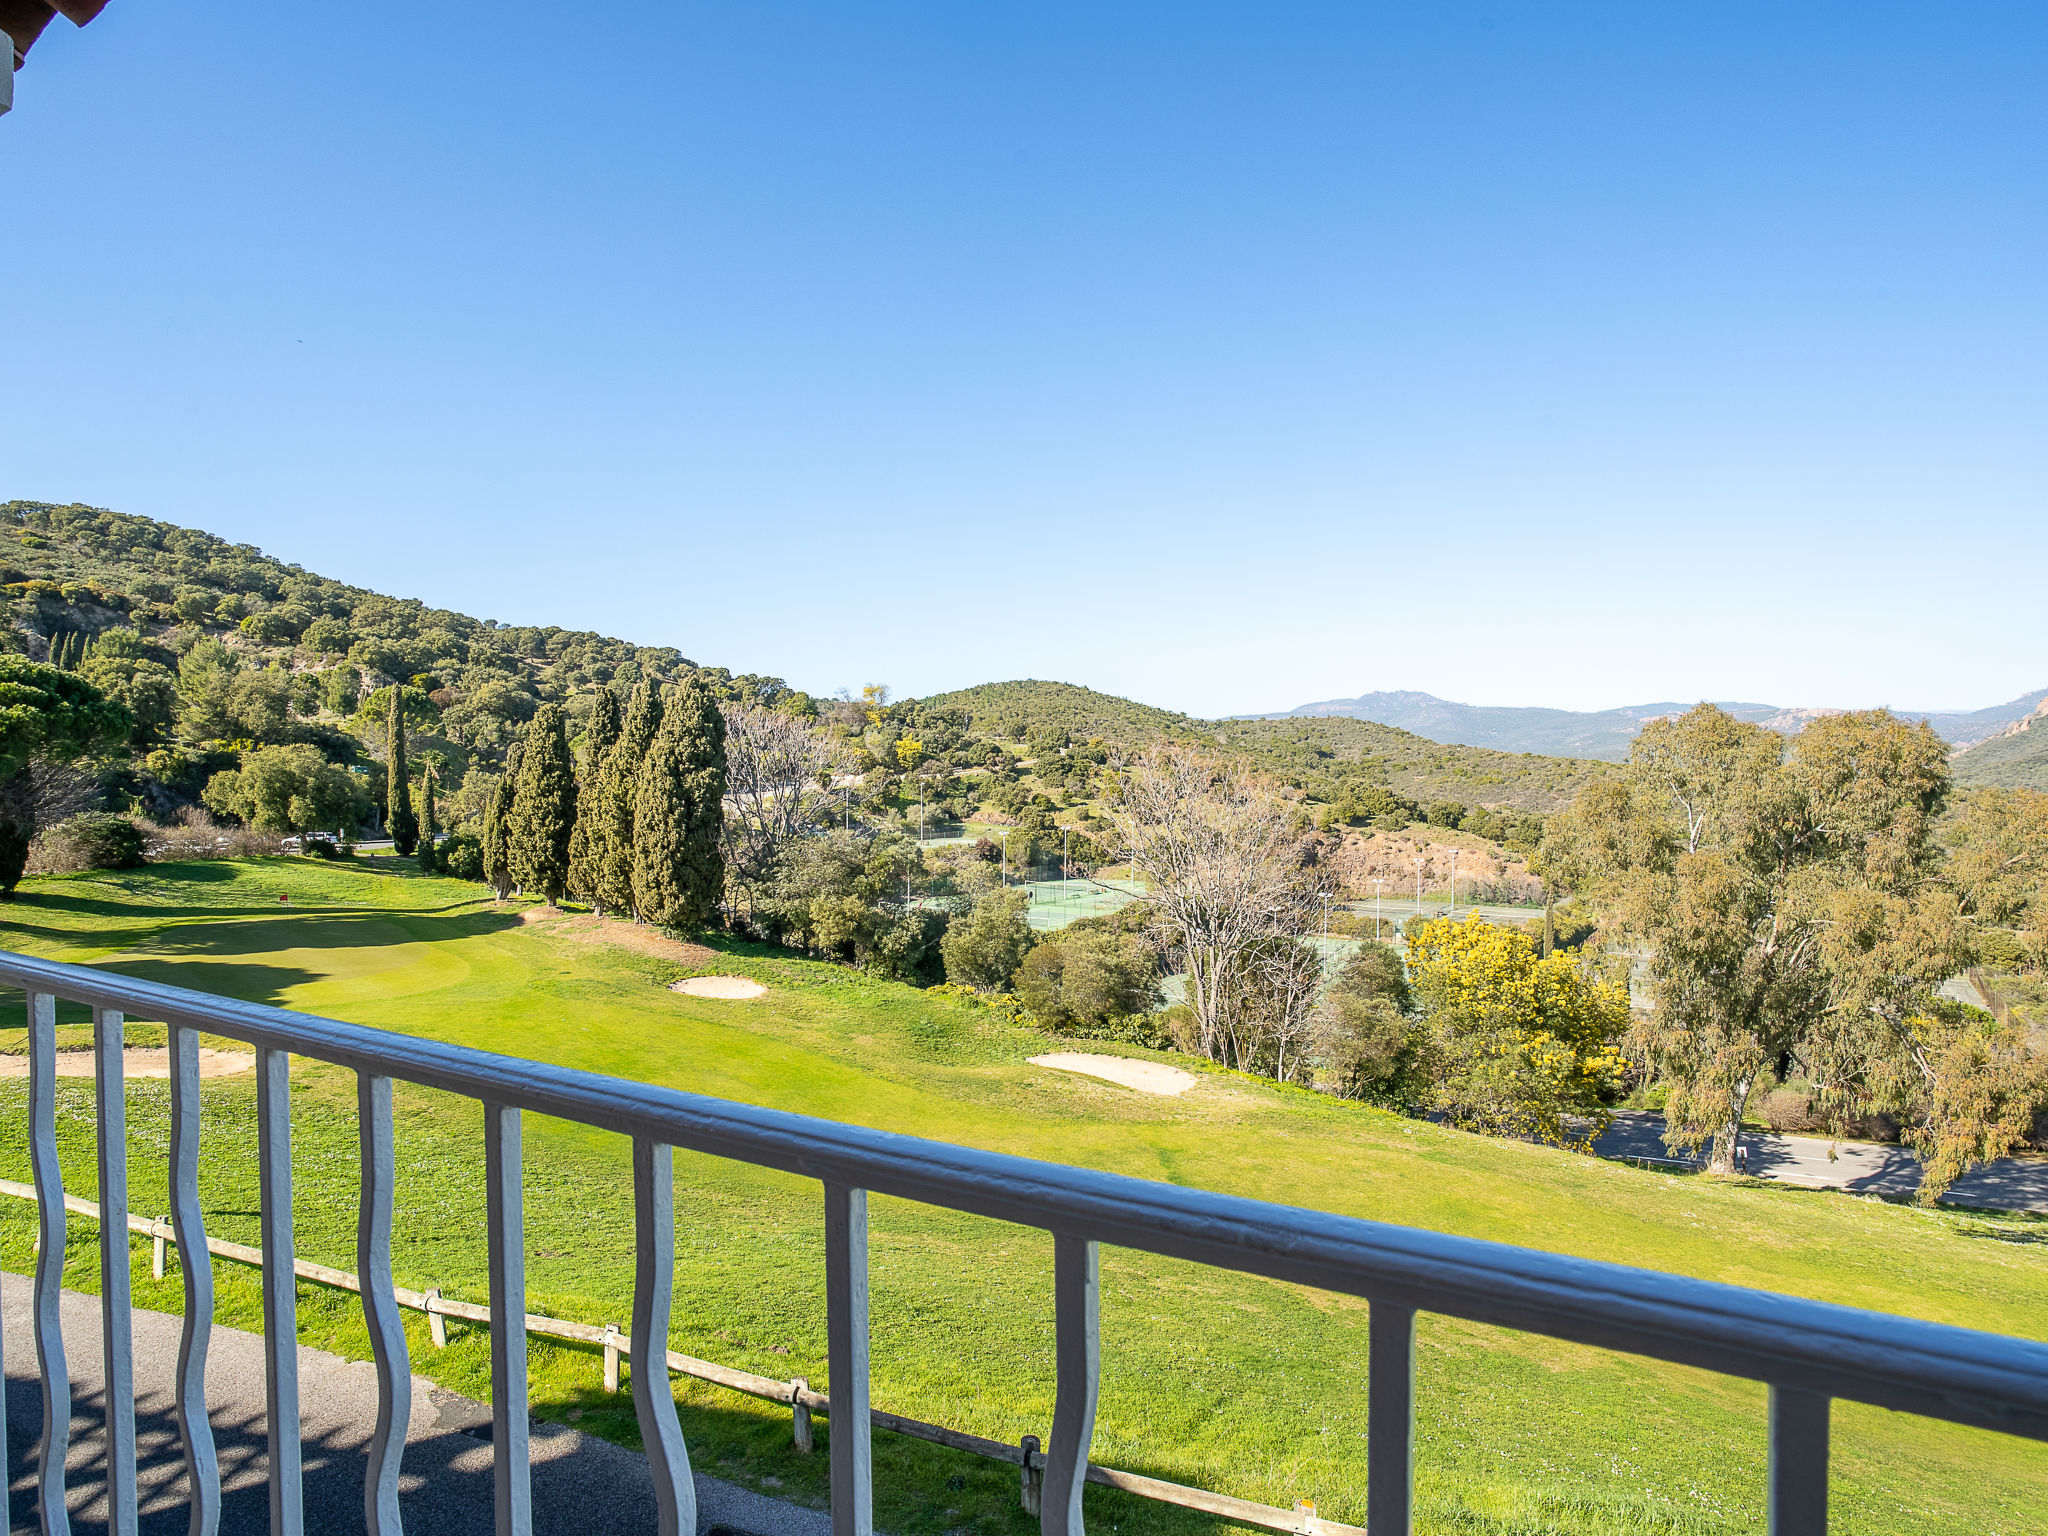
(1324, 756)
(1242, 1385)
(2016, 758)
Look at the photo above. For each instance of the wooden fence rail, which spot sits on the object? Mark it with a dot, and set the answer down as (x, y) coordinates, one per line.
(795, 1394)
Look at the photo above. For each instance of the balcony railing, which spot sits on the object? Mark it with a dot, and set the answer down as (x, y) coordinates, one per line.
(1808, 1352)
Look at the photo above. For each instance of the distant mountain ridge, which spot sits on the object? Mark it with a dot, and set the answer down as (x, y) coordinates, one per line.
(1606, 733)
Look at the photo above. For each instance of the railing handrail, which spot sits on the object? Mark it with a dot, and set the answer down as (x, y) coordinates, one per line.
(795, 1393)
(1939, 1370)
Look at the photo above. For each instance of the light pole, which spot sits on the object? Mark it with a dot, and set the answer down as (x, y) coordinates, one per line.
(1379, 891)
(1454, 882)
(1418, 884)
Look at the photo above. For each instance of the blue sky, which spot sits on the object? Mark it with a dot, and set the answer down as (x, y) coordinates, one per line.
(1222, 356)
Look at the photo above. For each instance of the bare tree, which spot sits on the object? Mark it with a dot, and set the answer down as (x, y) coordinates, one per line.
(1221, 864)
(779, 773)
(46, 792)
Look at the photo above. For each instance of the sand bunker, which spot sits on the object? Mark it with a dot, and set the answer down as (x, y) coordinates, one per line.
(1145, 1076)
(139, 1061)
(718, 986)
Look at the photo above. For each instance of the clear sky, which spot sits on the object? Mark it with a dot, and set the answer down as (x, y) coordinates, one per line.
(1224, 356)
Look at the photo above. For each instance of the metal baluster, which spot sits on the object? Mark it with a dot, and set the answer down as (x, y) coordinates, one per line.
(846, 1335)
(49, 1291)
(116, 1317)
(280, 1288)
(380, 1307)
(1799, 1463)
(195, 1263)
(506, 1218)
(1076, 1293)
(1390, 1420)
(654, 1195)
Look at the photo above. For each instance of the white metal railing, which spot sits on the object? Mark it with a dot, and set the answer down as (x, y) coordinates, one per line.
(1808, 1352)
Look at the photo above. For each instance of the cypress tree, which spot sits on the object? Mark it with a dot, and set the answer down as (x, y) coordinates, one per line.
(679, 812)
(618, 785)
(497, 825)
(430, 848)
(586, 842)
(404, 826)
(543, 808)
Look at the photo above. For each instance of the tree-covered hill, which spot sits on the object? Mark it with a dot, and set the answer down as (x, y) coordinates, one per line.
(75, 572)
(217, 647)
(1012, 709)
(1324, 756)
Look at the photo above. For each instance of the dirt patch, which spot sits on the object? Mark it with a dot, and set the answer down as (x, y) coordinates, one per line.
(1145, 1076)
(1483, 871)
(139, 1061)
(730, 987)
(590, 929)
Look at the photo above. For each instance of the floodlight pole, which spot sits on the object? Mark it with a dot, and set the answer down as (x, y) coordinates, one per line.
(1418, 884)
(1454, 882)
(1379, 891)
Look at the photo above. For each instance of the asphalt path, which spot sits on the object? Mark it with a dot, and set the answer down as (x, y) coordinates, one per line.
(1862, 1167)
(580, 1484)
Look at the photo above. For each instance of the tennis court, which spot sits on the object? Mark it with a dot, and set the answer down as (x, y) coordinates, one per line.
(1056, 903)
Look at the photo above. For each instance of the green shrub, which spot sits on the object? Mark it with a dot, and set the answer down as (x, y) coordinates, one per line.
(1084, 980)
(2000, 949)
(94, 840)
(462, 856)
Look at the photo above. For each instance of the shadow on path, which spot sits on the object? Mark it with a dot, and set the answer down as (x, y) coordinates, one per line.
(579, 1483)
(1860, 1167)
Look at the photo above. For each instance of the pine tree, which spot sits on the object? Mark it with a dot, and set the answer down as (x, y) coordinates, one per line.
(404, 826)
(430, 847)
(679, 811)
(586, 842)
(497, 827)
(543, 808)
(617, 787)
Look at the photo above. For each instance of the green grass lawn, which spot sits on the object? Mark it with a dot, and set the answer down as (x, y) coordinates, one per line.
(1239, 1384)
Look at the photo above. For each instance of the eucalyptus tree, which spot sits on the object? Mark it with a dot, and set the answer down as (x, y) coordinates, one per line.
(1791, 908)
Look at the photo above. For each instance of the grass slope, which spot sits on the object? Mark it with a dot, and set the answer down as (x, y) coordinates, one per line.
(1306, 752)
(1239, 1384)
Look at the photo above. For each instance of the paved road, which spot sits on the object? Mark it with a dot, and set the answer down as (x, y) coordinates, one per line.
(579, 1484)
(2010, 1184)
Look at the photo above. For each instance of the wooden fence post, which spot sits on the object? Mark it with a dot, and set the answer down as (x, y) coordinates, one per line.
(156, 1249)
(1030, 1478)
(799, 1415)
(611, 1357)
(437, 1325)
